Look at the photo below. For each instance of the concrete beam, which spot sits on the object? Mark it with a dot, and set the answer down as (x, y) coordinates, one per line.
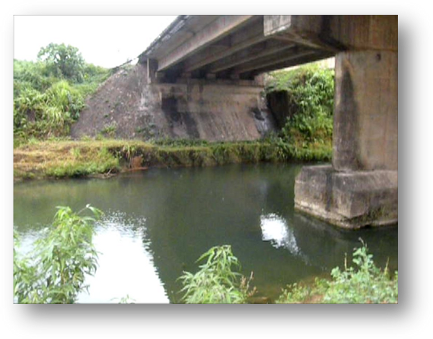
(306, 30)
(336, 32)
(245, 38)
(219, 28)
(299, 60)
(365, 32)
(250, 54)
(274, 59)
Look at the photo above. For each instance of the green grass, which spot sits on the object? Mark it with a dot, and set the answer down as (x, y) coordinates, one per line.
(360, 283)
(60, 158)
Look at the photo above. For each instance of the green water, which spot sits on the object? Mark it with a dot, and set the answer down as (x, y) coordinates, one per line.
(158, 222)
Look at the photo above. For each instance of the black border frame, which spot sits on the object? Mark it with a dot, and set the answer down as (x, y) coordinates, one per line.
(272, 320)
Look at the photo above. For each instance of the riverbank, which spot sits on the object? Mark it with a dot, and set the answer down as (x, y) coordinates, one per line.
(107, 157)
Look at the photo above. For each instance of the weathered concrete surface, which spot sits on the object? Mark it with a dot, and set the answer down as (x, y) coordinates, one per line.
(348, 199)
(211, 110)
(226, 47)
(366, 111)
(361, 186)
(336, 32)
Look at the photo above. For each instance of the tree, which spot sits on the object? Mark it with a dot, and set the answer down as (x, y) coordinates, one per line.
(63, 61)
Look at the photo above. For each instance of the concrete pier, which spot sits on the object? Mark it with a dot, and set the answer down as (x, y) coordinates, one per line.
(361, 186)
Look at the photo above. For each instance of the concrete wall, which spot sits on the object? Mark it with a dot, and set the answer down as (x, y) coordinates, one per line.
(212, 112)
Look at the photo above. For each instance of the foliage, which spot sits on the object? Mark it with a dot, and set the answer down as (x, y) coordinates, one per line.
(310, 87)
(63, 61)
(361, 283)
(216, 282)
(124, 300)
(54, 271)
(49, 113)
(109, 130)
(180, 142)
(310, 93)
(50, 94)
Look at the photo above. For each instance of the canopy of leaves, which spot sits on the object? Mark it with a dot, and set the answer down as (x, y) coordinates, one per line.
(63, 61)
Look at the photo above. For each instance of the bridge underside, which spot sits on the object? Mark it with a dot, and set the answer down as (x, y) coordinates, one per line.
(226, 47)
(361, 186)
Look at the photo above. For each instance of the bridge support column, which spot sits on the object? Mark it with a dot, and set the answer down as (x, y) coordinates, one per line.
(360, 188)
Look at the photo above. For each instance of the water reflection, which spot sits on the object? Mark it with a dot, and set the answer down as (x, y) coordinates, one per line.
(169, 217)
(126, 265)
(275, 229)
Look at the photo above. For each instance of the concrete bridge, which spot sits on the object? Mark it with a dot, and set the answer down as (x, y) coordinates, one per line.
(361, 186)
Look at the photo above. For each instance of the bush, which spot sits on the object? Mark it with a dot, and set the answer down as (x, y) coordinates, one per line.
(50, 94)
(310, 93)
(216, 282)
(55, 270)
(363, 283)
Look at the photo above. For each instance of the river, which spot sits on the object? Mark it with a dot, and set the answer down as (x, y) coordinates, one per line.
(158, 222)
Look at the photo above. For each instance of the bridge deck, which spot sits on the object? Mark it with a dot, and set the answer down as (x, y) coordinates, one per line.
(226, 47)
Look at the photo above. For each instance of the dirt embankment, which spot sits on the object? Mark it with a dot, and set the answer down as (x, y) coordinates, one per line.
(114, 109)
(127, 107)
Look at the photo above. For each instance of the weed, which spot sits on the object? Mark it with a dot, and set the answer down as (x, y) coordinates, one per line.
(110, 130)
(54, 272)
(217, 281)
(361, 283)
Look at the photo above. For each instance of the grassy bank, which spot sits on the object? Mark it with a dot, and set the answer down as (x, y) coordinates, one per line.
(67, 158)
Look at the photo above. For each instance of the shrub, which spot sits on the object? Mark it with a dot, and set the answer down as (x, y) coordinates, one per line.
(361, 283)
(50, 94)
(310, 93)
(54, 272)
(216, 282)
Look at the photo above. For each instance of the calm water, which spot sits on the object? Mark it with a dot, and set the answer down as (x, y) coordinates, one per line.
(158, 222)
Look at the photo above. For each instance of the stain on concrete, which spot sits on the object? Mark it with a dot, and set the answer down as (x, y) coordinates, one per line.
(346, 126)
(325, 33)
(169, 108)
(329, 189)
(190, 125)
